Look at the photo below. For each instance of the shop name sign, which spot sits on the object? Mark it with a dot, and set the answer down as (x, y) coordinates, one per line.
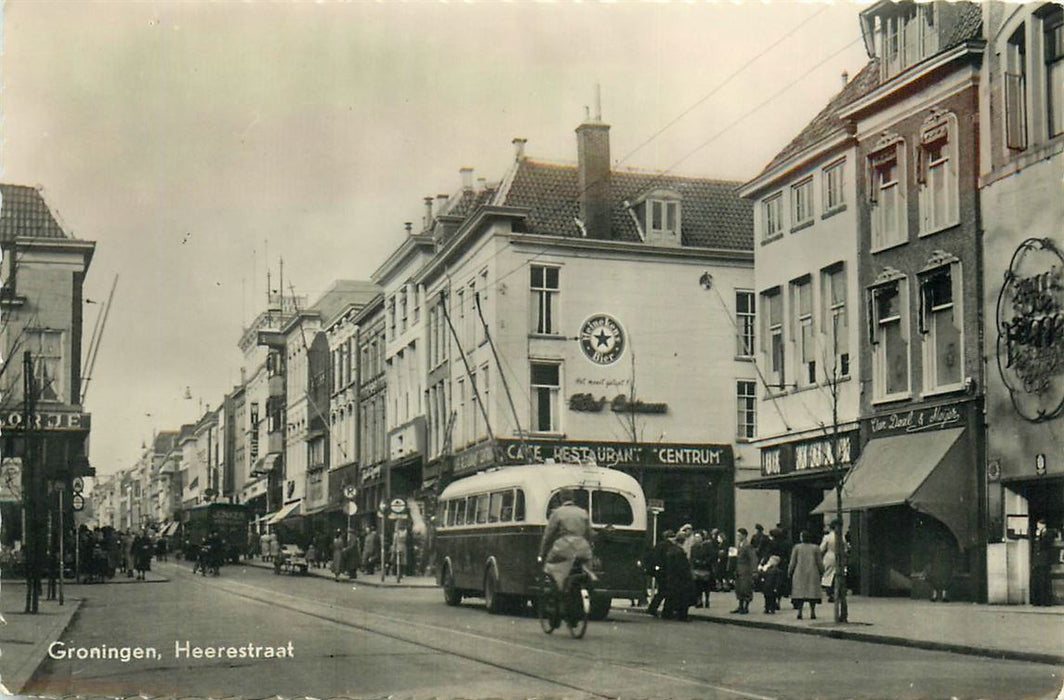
(620, 404)
(1030, 330)
(807, 455)
(46, 420)
(619, 454)
(915, 421)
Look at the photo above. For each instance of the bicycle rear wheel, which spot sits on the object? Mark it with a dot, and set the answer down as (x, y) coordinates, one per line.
(578, 604)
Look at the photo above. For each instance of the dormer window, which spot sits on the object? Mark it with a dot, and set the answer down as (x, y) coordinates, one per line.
(904, 33)
(664, 217)
(657, 214)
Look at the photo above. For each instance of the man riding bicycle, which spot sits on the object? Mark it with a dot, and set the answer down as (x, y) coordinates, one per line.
(566, 540)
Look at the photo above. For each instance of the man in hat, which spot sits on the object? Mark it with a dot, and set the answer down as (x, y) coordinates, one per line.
(1041, 552)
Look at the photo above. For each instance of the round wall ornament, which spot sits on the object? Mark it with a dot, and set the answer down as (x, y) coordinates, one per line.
(602, 339)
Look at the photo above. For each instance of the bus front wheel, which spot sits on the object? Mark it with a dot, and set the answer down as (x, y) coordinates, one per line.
(451, 594)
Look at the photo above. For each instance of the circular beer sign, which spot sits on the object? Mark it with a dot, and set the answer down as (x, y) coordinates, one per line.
(602, 339)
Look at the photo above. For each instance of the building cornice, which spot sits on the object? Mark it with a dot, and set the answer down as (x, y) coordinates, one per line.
(468, 231)
(839, 138)
(724, 255)
(911, 76)
(401, 254)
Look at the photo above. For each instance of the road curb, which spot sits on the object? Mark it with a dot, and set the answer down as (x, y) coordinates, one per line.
(15, 681)
(858, 636)
(360, 581)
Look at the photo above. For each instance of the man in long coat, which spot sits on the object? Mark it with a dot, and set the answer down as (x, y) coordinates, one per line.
(679, 583)
(745, 566)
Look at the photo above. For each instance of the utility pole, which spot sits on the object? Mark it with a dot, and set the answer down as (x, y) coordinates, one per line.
(30, 491)
(841, 608)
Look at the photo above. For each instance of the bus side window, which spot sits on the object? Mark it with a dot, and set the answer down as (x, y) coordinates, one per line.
(519, 506)
(459, 512)
(507, 512)
(495, 507)
(482, 508)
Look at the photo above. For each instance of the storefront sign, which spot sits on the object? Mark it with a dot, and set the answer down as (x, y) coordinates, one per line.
(919, 420)
(621, 454)
(47, 420)
(253, 443)
(808, 455)
(1030, 325)
(586, 402)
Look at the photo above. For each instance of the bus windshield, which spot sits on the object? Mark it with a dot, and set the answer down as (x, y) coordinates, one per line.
(607, 507)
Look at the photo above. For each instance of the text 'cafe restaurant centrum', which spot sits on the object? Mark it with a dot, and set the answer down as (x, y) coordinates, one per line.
(695, 481)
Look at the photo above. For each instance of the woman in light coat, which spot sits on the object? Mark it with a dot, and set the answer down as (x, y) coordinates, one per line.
(829, 549)
(805, 569)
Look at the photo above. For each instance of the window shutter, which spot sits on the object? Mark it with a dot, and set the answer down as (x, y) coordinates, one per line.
(873, 316)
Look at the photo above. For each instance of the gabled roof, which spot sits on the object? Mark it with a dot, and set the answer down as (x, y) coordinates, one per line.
(713, 215)
(25, 214)
(828, 120)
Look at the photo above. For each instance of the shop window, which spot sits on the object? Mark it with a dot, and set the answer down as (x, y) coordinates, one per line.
(937, 173)
(941, 328)
(890, 355)
(546, 392)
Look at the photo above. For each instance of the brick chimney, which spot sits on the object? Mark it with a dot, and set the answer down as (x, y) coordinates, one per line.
(428, 212)
(593, 179)
(467, 178)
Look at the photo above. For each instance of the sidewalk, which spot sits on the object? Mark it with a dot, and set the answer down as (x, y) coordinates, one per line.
(362, 580)
(1019, 632)
(24, 639)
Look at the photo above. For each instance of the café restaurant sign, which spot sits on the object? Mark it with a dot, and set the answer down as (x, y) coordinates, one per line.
(1030, 330)
(604, 454)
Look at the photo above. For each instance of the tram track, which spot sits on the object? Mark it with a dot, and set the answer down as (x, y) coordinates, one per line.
(487, 650)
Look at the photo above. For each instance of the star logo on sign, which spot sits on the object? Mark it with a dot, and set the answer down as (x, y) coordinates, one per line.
(604, 339)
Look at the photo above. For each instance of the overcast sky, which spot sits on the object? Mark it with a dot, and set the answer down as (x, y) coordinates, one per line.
(193, 142)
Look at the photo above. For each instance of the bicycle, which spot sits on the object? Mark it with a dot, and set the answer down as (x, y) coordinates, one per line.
(571, 604)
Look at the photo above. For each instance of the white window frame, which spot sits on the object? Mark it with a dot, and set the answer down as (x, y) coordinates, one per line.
(659, 214)
(745, 323)
(46, 348)
(772, 216)
(833, 310)
(802, 207)
(833, 185)
(1052, 21)
(460, 418)
(773, 345)
(879, 346)
(803, 335)
(746, 409)
(928, 328)
(553, 396)
(878, 189)
(937, 175)
(544, 301)
(1015, 96)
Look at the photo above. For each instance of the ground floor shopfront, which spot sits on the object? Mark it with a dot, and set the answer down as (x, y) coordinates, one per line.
(695, 483)
(916, 503)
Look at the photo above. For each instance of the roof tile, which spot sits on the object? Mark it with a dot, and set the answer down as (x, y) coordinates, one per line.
(25, 214)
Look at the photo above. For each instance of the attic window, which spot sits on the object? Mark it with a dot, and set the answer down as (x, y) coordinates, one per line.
(663, 217)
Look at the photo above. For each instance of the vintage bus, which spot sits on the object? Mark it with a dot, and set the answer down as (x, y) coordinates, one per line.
(489, 526)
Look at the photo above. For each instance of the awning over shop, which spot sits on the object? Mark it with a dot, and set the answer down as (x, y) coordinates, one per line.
(927, 471)
(285, 512)
(265, 464)
(170, 529)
